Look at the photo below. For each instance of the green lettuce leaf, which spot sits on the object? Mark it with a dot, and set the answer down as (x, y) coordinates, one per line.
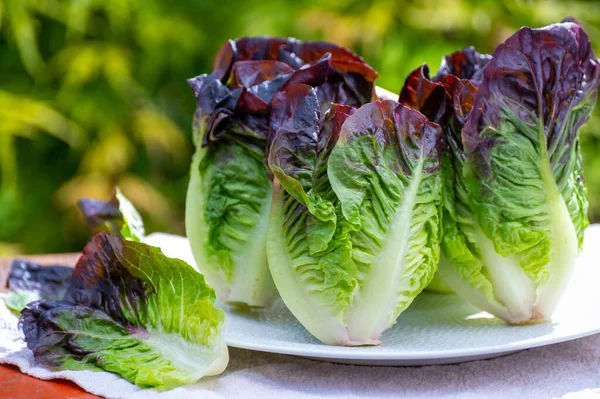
(132, 311)
(385, 170)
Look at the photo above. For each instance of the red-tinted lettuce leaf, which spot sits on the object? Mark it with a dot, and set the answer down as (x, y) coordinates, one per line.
(464, 64)
(244, 49)
(28, 282)
(546, 77)
(299, 149)
(313, 74)
(447, 98)
(103, 280)
(121, 277)
(259, 48)
(262, 66)
(297, 134)
(350, 79)
(223, 61)
(250, 102)
(297, 53)
(421, 93)
(102, 215)
(118, 216)
(294, 134)
(348, 89)
(390, 123)
(332, 126)
(53, 331)
(265, 90)
(250, 73)
(374, 119)
(133, 311)
(385, 139)
(420, 138)
(210, 92)
(460, 94)
(244, 113)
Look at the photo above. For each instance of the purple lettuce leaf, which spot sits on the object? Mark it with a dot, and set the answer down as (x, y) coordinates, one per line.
(29, 281)
(300, 143)
(262, 66)
(464, 64)
(423, 94)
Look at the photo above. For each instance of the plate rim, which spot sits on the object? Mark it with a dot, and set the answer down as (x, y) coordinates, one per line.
(323, 351)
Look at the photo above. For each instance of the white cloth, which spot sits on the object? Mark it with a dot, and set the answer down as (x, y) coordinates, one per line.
(570, 370)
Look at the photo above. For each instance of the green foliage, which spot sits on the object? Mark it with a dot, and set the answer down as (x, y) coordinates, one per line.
(93, 93)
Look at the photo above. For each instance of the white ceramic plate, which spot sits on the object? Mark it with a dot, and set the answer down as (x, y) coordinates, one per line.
(436, 329)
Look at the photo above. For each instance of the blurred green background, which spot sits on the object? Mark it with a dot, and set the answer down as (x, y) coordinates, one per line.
(93, 93)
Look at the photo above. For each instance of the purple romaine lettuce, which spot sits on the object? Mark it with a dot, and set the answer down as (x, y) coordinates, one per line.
(230, 192)
(514, 196)
(354, 226)
(515, 209)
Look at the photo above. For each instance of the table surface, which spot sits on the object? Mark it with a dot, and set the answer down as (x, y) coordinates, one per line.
(18, 385)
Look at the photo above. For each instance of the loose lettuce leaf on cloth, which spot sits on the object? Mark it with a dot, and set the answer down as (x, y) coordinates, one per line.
(28, 282)
(118, 216)
(514, 227)
(130, 310)
(354, 227)
(229, 194)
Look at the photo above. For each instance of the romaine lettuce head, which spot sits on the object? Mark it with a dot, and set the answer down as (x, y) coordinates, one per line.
(354, 227)
(132, 311)
(516, 208)
(229, 194)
